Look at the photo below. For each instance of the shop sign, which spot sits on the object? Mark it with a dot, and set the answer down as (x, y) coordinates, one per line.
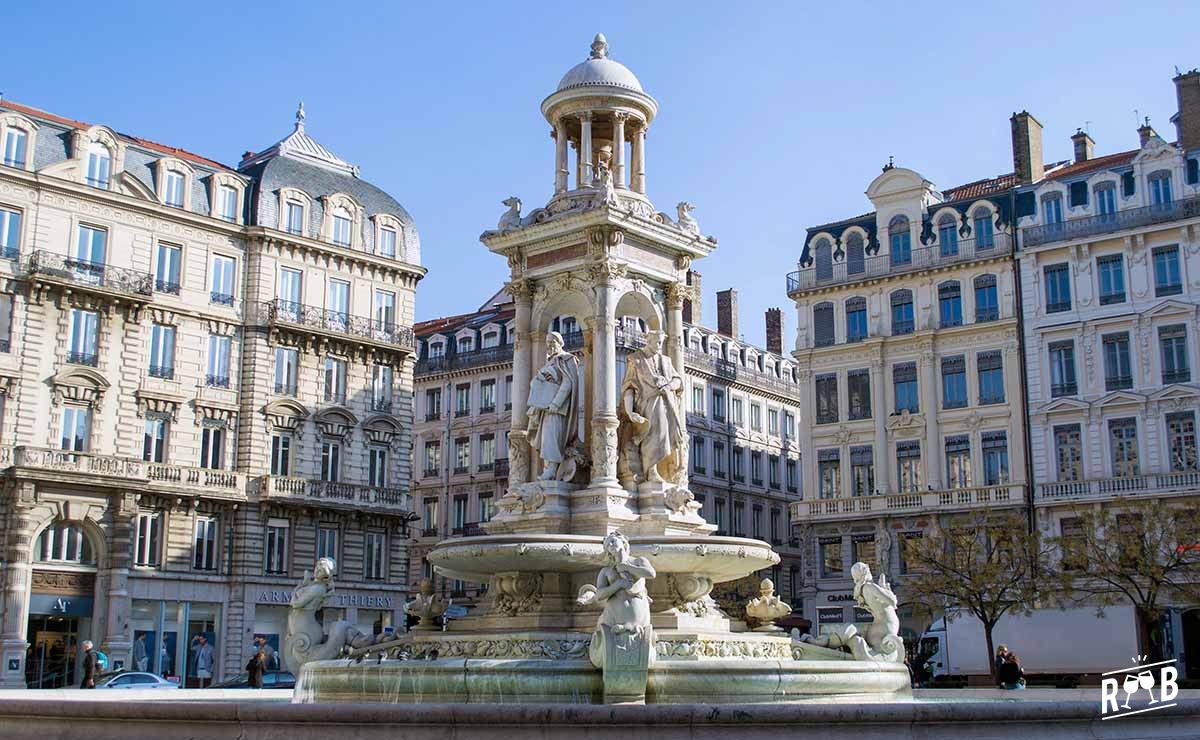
(338, 599)
(829, 616)
(66, 606)
(838, 598)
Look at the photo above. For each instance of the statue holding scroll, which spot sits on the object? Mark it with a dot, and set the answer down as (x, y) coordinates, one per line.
(553, 408)
(654, 437)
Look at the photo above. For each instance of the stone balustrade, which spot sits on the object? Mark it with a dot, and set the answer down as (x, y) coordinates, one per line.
(67, 461)
(1187, 481)
(943, 501)
(228, 482)
(383, 499)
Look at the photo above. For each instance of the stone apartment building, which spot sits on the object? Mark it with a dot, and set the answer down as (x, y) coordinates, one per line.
(742, 415)
(205, 385)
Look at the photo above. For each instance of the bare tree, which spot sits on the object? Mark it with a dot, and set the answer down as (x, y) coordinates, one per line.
(1136, 552)
(986, 565)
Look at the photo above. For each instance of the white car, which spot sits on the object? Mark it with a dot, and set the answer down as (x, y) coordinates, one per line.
(133, 680)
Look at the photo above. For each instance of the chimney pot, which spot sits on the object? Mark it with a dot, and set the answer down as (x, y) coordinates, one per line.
(1028, 163)
(727, 313)
(1085, 146)
(775, 330)
(1187, 124)
(1145, 131)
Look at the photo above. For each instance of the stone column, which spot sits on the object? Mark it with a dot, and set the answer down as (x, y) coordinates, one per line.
(927, 372)
(117, 640)
(560, 156)
(638, 153)
(18, 545)
(589, 377)
(578, 164)
(676, 293)
(1016, 429)
(585, 147)
(810, 487)
(518, 446)
(619, 149)
(881, 459)
(604, 373)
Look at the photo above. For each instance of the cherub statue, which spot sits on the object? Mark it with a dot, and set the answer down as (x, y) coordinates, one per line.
(767, 607)
(306, 640)
(881, 639)
(427, 605)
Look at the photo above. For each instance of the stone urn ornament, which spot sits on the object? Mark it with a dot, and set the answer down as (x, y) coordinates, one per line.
(767, 607)
(427, 605)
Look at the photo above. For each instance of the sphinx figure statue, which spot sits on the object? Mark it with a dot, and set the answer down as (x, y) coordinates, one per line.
(881, 639)
(306, 640)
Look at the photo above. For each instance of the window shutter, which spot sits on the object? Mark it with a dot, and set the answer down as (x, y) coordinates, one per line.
(1079, 194)
(1127, 185)
(1193, 171)
(823, 324)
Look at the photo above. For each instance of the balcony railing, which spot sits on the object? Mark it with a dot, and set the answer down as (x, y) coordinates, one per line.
(954, 499)
(180, 475)
(79, 462)
(1063, 389)
(84, 273)
(216, 381)
(315, 318)
(167, 286)
(1177, 376)
(1101, 224)
(285, 389)
(462, 360)
(350, 495)
(166, 372)
(1099, 488)
(500, 469)
(10, 253)
(922, 258)
(76, 357)
(382, 405)
(221, 298)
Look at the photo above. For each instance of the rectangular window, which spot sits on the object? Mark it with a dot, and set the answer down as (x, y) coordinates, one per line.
(755, 417)
(832, 565)
(387, 243)
(739, 464)
(698, 399)
(950, 305)
(277, 542)
(987, 305)
(954, 382)
(327, 543)
(462, 399)
(718, 459)
(864, 548)
(718, 406)
(1168, 279)
(281, 454)
(508, 393)
(698, 447)
(1068, 452)
(1073, 556)
(1077, 192)
(902, 313)
(756, 468)
(1062, 369)
(1112, 279)
(1160, 188)
(173, 189)
(736, 412)
(7, 302)
(221, 282)
(773, 422)
(792, 475)
(331, 461)
(756, 522)
(16, 144)
(295, 218)
(377, 465)
(827, 398)
(1172, 342)
(719, 515)
(995, 458)
(204, 554)
(908, 466)
(856, 321)
(147, 544)
(430, 519)
(858, 392)
(789, 426)
(385, 310)
(910, 549)
(862, 470)
(958, 461)
(739, 515)
(154, 440)
(1181, 440)
(341, 231)
(337, 304)
(162, 351)
(227, 203)
(335, 380)
(287, 368)
(381, 388)
(1128, 184)
(487, 452)
(1052, 209)
(904, 384)
(776, 533)
(433, 404)
(1123, 444)
(433, 458)
(167, 268)
(91, 249)
(991, 377)
(99, 167)
(212, 448)
(485, 507)
(1058, 288)
(10, 233)
(773, 471)
(85, 332)
(1106, 199)
(1118, 372)
(374, 555)
(462, 455)
(459, 521)
(829, 473)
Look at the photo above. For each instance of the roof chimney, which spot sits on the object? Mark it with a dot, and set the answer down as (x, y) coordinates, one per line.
(1085, 146)
(727, 318)
(691, 308)
(1145, 131)
(1027, 148)
(775, 331)
(1187, 92)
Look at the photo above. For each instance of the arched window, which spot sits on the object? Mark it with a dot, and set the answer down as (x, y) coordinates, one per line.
(63, 542)
(856, 260)
(856, 319)
(900, 241)
(948, 235)
(1106, 198)
(99, 166)
(985, 235)
(1160, 187)
(1052, 208)
(823, 327)
(987, 306)
(824, 256)
(949, 304)
(902, 312)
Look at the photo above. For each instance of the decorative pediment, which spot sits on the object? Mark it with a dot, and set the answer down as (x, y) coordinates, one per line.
(80, 385)
(382, 429)
(126, 184)
(335, 421)
(1175, 393)
(1155, 149)
(1064, 405)
(150, 402)
(284, 413)
(1171, 307)
(1121, 398)
(214, 412)
(906, 424)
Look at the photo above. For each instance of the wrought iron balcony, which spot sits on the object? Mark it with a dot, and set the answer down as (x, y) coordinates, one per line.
(334, 323)
(221, 298)
(500, 469)
(216, 381)
(487, 356)
(354, 496)
(382, 405)
(60, 268)
(1130, 218)
(166, 372)
(1102, 488)
(285, 389)
(818, 275)
(948, 500)
(90, 359)
(167, 286)
(433, 415)
(1063, 389)
(1177, 376)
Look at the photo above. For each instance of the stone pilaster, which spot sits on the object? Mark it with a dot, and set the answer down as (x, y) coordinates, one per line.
(117, 639)
(932, 453)
(18, 546)
(879, 412)
(518, 446)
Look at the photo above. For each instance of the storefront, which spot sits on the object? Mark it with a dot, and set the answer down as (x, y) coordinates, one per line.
(166, 637)
(60, 619)
(371, 612)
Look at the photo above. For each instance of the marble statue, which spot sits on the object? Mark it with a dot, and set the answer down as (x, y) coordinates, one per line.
(427, 605)
(512, 218)
(553, 409)
(623, 642)
(881, 639)
(653, 436)
(686, 222)
(767, 607)
(306, 640)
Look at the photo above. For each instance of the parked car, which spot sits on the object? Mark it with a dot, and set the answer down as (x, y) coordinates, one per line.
(271, 680)
(133, 680)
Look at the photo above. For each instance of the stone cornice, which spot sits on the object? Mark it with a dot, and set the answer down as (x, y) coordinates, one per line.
(279, 242)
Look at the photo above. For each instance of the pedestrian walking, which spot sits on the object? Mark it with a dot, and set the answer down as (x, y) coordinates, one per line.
(140, 658)
(204, 660)
(255, 668)
(91, 665)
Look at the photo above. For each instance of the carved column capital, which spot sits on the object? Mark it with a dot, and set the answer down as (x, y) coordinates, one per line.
(604, 241)
(521, 290)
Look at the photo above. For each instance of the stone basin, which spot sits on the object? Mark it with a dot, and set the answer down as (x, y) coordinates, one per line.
(719, 559)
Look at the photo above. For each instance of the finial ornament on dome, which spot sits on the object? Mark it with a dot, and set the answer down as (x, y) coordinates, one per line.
(300, 116)
(599, 47)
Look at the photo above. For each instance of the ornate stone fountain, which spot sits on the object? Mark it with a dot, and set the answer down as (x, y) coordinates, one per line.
(598, 515)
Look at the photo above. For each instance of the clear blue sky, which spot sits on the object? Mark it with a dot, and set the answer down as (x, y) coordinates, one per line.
(773, 117)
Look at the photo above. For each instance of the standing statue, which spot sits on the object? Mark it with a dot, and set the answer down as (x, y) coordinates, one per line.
(553, 409)
(306, 640)
(881, 639)
(654, 436)
(427, 605)
(623, 642)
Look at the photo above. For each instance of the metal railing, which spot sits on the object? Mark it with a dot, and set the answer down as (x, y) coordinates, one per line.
(83, 358)
(500, 468)
(350, 494)
(315, 318)
(82, 272)
(216, 381)
(1130, 218)
(953, 499)
(1152, 483)
(920, 258)
(462, 360)
(167, 286)
(166, 372)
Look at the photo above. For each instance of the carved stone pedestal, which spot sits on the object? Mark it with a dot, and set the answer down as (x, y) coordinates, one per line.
(537, 507)
(670, 509)
(624, 659)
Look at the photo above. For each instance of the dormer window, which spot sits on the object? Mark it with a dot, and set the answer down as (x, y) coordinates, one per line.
(465, 344)
(948, 235)
(227, 203)
(295, 217)
(437, 349)
(1052, 209)
(173, 189)
(16, 146)
(341, 227)
(99, 168)
(491, 339)
(1160, 188)
(387, 243)
(900, 241)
